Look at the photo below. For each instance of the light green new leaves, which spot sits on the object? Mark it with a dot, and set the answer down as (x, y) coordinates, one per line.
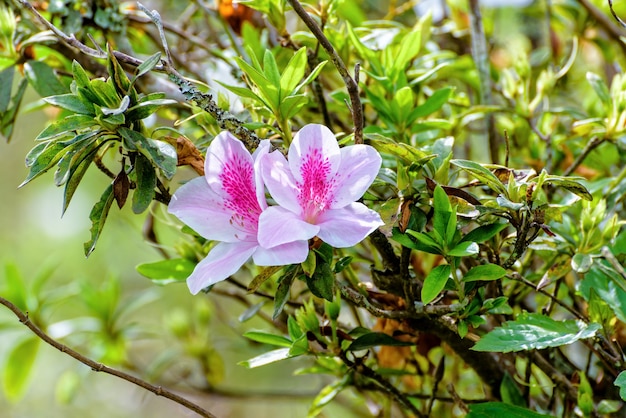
(495, 409)
(534, 331)
(277, 92)
(621, 383)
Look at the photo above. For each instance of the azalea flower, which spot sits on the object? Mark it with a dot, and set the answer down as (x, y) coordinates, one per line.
(225, 206)
(316, 191)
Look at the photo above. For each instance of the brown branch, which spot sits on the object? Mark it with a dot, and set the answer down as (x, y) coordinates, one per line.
(351, 84)
(385, 386)
(591, 145)
(612, 30)
(419, 311)
(99, 367)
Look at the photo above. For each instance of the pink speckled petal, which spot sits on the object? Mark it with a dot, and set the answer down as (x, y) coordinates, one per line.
(195, 204)
(314, 152)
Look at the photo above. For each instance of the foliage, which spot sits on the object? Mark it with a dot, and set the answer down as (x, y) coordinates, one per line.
(501, 191)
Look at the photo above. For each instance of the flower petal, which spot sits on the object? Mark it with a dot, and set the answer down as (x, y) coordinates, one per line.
(262, 149)
(279, 180)
(195, 204)
(229, 170)
(223, 260)
(347, 226)
(290, 253)
(314, 151)
(359, 167)
(278, 225)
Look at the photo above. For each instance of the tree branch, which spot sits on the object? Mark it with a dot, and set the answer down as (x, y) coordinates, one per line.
(99, 367)
(351, 83)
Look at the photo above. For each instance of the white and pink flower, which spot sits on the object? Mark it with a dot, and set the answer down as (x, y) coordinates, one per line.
(315, 191)
(225, 206)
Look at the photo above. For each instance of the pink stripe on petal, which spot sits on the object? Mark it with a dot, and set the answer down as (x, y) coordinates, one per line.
(195, 204)
(223, 260)
(230, 173)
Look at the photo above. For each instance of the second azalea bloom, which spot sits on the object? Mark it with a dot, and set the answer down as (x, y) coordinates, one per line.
(316, 190)
(225, 206)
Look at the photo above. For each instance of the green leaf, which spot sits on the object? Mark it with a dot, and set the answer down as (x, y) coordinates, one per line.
(162, 154)
(510, 393)
(464, 249)
(266, 338)
(585, 395)
(80, 75)
(312, 76)
(485, 272)
(70, 102)
(293, 73)
(43, 79)
(435, 282)
(620, 382)
(607, 289)
(498, 409)
(600, 87)
(98, 217)
(322, 283)
(409, 48)
(282, 291)
(267, 358)
(270, 69)
(291, 105)
(342, 263)
(146, 108)
(433, 103)
(268, 91)
(15, 286)
(581, 263)
(8, 117)
(569, 185)
(427, 240)
(146, 66)
(251, 311)
(484, 232)
(374, 339)
(482, 174)
(146, 182)
(66, 126)
(164, 272)
(404, 151)
(76, 174)
(6, 87)
(19, 368)
(43, 157)
(262, 277)
(326, 395)
(534, 331)
(73, 154)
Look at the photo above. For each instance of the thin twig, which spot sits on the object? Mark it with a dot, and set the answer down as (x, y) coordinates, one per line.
(384, 384)
(351, 85)
(420, 310)
(613, 30)
(516, 276)
(99, 367)
(591, 145)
